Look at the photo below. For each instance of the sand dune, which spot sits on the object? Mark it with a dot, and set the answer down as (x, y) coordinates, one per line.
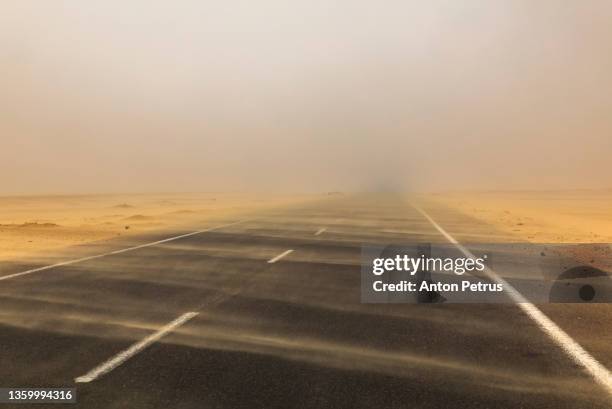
(138, 217)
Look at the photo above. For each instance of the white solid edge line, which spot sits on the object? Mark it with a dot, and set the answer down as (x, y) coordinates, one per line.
(123, 356)
(321, 230)
(599, 372)
(79, 260)
(281, 255)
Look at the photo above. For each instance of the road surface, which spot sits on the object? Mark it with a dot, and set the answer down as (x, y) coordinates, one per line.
(265, 312)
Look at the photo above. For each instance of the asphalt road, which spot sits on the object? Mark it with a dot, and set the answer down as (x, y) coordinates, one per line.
(287, 334)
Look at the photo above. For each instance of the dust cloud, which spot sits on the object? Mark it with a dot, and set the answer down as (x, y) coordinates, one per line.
(151, 96)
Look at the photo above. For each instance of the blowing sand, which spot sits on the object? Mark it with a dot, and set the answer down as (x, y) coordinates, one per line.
(31, 225)
(36, 224)
(576, 216)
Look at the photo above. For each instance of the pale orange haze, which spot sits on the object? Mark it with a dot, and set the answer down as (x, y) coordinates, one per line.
(281, 95)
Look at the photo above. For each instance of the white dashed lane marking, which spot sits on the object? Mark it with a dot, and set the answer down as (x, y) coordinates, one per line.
(123, 356)
(281, 255)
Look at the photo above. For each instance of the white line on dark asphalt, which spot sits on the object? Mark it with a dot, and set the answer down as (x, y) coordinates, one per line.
(321, 230)
(123, 356)
(79, 260)
(281, 255)
(599, 372)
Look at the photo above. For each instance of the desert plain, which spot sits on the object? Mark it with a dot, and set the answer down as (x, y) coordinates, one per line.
(555, 216)
(38, 225)
(34, 226)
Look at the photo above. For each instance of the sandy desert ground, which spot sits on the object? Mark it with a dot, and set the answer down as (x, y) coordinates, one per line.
(34, 225)
(569, 216)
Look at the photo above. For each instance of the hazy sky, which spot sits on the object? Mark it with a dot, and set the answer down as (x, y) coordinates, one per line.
(115, 96)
